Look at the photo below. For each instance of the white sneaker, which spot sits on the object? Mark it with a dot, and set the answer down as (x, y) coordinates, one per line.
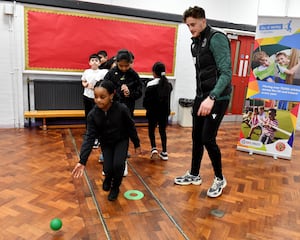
(125, 170)
(154, 154)
(187, 179)
(216, 188)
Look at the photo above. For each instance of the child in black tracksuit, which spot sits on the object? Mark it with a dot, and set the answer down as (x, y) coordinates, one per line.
(126, 81)
(157, 104)
(112, 122)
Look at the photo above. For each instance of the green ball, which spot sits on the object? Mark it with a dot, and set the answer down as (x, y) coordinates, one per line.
(55, 224)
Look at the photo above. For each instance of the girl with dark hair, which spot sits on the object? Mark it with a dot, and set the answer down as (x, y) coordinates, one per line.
(157, 104)
(126, 81)
(127, 84)
(112, 122)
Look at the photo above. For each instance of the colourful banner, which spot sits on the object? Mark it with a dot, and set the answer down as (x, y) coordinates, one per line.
(277, 91)
(63, 40)
(271, 106)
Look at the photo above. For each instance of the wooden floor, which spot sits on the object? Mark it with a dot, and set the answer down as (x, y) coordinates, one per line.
(261, 200)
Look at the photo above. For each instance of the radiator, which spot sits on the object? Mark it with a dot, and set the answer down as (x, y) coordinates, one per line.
(59, 95)
(50, 95)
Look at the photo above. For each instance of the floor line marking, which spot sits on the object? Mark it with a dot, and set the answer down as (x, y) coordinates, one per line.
(102, 219)
(158, 202)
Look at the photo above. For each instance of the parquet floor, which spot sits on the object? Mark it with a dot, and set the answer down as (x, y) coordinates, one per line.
(261, 200)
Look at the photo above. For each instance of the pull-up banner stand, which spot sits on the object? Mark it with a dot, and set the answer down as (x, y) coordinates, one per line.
(273, 95)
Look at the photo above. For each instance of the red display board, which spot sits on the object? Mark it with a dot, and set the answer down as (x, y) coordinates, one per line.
(63, 41)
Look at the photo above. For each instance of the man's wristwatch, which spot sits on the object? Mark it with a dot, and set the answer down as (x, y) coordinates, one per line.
(212, 97)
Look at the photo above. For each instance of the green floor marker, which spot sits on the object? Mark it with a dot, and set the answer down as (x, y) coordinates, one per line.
(133, 195)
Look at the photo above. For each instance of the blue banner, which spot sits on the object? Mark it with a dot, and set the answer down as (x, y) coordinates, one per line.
(278, 91)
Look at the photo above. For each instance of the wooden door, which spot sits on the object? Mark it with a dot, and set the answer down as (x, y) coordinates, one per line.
(241, 55)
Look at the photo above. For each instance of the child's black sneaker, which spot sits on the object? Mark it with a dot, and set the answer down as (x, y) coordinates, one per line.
(113, 194)
(164, 156)
(96, 143)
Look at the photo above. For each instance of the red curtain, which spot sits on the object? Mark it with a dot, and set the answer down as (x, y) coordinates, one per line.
(63, 41)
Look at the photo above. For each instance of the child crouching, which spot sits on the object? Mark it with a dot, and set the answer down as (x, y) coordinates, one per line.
(113, 123)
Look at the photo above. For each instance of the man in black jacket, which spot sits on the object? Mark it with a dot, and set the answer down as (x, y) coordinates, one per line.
(211, 53)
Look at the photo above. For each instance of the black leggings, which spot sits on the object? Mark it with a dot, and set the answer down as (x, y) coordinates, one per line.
(162, 122)
(204, 133)
(88, 104)
(114, 160)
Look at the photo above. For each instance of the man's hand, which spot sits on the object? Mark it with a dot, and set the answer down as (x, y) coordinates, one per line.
(205, 107)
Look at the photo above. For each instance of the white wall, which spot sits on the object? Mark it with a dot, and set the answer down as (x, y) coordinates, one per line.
(11, 48)
(244, 12)
(185, 71)
(13, 85)
(6, 102)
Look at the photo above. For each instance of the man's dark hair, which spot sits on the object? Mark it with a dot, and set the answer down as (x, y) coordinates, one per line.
(194, 12)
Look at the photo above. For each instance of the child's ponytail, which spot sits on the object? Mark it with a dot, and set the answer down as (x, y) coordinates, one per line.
(163, 86)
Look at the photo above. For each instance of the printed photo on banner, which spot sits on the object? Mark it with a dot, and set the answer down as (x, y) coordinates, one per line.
(266, 129)
(276, 63)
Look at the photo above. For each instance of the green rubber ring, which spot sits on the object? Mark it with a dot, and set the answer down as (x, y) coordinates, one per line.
(133, 195)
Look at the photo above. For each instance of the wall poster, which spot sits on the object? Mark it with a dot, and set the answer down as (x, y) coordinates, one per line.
(273, 95)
